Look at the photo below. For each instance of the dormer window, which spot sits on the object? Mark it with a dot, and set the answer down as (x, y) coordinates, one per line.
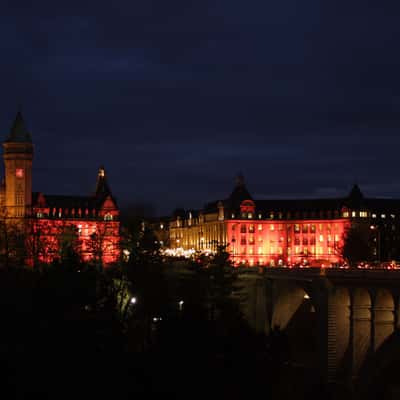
(108, 217)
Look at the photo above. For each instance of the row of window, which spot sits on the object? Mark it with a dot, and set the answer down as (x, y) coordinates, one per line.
(313, 214)
(297, 228)
(107, 217)
(297, 250)
(297, 241)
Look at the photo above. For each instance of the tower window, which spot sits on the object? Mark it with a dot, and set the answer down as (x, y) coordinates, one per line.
(19, 173)
(108, 217)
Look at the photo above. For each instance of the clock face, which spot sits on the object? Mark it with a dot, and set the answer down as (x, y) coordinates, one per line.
(19, 173)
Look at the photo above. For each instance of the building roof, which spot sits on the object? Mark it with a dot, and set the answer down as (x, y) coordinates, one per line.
(19, 133)
(354, 200)
(67, 202)
(93, 202)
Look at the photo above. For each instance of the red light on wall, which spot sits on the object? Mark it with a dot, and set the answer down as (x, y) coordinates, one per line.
(19, 173)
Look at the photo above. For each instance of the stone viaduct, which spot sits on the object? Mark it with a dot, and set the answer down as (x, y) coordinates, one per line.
(343, 323)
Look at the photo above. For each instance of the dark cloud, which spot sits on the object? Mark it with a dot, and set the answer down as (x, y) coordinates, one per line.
(177, 97)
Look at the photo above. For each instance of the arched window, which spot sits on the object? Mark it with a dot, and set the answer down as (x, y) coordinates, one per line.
(108, 217)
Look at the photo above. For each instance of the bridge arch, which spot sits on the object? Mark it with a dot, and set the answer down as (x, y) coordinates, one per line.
(341, 335)
(378, 377)
(383, 317)
(360, 327)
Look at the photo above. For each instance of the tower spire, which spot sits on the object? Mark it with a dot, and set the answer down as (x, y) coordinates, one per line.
(102, 187)
(19, 133)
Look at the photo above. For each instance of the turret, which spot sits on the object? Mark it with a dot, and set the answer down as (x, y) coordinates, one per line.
(102, 187)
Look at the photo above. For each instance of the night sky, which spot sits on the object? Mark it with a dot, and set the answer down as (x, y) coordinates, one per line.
(176, 97)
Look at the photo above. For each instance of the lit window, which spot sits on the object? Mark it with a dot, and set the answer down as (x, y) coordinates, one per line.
(259, 216)
(363, 214)
(251, 228)
(373, 215)
(345, 214)
(39, 215)
(271, 215)
(297, 228)
(392, 216)
(353, 214)
(19, 173)
(249, 215)
(259, 250)
(383, 216)
(233, 215)
(272, 227)
(321, 238)
(260, 227)
(108, 217)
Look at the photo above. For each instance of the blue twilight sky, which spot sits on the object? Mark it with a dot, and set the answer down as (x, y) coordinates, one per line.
(176, 97)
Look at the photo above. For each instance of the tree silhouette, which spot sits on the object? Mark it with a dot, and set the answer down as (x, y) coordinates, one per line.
(356, 245)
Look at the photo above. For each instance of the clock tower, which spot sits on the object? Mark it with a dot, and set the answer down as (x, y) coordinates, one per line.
(18, 155)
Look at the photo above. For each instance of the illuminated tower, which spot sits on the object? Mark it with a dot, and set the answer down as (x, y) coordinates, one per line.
(18, 155)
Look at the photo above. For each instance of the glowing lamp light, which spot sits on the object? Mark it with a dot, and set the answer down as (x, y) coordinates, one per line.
(133, 300)
(306, 296)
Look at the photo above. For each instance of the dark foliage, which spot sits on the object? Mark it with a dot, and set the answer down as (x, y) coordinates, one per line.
(357, 246)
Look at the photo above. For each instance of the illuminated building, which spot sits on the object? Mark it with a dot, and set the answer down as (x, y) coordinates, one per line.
(282, 232)
(48, 219)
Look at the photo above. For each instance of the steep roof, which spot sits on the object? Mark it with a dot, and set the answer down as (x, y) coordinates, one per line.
(102, 187)
(19, 133)
(238, 194)
(354, 200)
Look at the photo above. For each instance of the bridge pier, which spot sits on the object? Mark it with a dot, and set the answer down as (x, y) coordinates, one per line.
(342, 325)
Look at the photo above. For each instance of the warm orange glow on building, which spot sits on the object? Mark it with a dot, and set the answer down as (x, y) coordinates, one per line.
(257, 242)
(287, 232)
(92, 222)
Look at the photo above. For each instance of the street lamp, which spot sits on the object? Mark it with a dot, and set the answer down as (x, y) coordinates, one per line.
(133, 300)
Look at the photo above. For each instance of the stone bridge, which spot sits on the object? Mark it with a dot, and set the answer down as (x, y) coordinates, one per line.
(343, 323)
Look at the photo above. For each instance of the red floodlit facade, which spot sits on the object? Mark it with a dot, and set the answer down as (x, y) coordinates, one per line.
(88, 223)
(287, 232)
(276, 243)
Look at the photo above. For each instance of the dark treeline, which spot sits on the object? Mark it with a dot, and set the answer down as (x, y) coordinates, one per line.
(145, 326)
